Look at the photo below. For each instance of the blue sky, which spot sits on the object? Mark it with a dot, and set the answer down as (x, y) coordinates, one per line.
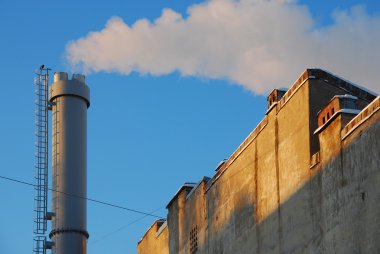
(147, 134)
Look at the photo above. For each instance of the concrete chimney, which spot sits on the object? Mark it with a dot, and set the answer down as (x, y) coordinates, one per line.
(69, 100)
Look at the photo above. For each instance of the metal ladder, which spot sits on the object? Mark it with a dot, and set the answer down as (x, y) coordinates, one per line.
(55, 158)
(41, 156)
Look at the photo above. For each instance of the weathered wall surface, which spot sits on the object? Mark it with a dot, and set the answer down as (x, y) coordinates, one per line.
(268, 199)
(230, 207)
(267, 195)
(154, 241)
(194, 214)
(293, 160)
(177, 222)
(359, 194)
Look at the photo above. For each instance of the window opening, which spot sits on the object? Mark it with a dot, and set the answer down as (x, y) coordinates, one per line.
(194, 240)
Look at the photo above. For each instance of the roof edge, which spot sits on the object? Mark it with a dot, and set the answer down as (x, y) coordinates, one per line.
(185, 185)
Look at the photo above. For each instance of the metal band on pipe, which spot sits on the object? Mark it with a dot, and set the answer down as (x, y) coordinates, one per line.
(68, 230)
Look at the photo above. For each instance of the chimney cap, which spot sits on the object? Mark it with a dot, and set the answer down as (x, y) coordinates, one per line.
(79, 77)
(60, 75)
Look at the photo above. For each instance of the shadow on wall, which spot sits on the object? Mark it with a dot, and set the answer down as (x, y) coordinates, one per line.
(336, 211)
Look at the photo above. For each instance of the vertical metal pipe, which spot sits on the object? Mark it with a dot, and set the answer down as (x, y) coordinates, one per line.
(70, 100)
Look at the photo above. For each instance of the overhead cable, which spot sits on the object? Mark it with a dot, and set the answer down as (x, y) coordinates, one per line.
(86, 198)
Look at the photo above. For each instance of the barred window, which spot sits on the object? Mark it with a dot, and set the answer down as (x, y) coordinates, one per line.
(194, 240)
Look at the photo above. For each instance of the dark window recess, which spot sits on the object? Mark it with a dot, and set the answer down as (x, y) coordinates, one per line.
(332, 111)
(194, 240)
(323, 120)
(328, 115)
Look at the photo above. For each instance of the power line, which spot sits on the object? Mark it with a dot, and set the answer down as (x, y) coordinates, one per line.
(121, 228)
(85, 198)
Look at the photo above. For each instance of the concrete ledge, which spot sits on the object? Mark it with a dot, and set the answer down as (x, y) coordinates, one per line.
(366, 113)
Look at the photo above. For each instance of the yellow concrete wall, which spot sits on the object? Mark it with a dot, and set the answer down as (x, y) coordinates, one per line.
(268, 199)
(232, 195)
(195, 219)
(153, 243)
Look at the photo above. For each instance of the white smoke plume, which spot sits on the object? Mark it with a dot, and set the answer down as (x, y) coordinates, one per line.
(260, 44)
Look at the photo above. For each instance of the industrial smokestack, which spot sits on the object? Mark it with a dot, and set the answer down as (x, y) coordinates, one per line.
(70, 100)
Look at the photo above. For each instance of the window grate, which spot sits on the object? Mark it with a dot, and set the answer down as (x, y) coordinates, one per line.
(194, 240)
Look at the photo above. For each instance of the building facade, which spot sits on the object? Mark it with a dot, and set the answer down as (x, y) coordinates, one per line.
(306, 180)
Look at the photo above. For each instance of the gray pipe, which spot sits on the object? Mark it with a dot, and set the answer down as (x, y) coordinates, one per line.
(70, 100)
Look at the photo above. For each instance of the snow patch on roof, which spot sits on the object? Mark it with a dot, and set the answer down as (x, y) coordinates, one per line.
(346, 96)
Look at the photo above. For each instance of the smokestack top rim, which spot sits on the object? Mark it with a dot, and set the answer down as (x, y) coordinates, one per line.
(60, 75)
(69, 87)
(79, 77)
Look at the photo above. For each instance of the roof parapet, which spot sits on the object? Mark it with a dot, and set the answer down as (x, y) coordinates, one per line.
(186, 186)
(366, 113)
(329, 78)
